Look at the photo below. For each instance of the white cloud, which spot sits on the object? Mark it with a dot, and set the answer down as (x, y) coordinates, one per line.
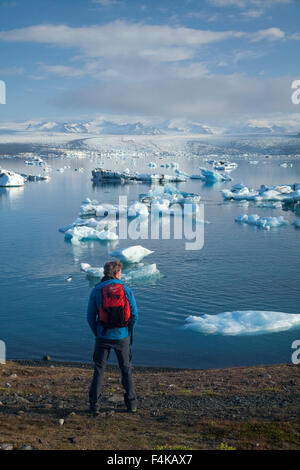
(247, 54)
(247, 3)
(207, 97)
(106, 3)
(159, 43)
(156, 43)
(271, 34)
(252, 13)
(11, 71)
(94, 69)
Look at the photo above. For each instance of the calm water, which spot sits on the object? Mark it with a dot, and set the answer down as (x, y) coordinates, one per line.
(239, 268)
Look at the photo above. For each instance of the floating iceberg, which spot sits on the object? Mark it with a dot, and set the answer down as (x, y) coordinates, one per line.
(92, 272)
(263, 222)
(10, 179)
(297, 223)
(162, 196)
(138, 209)
(99, 225)
(225, 165)
(181, 173)
(214, 176)
(133, 254)
(83, 233)
(286, 193)
(248, 322)
(140, 273)
(197, 177)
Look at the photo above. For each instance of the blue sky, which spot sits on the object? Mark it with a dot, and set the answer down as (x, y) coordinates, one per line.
(213, 61)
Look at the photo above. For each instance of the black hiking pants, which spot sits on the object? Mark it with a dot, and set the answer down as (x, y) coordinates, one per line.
(101, 354)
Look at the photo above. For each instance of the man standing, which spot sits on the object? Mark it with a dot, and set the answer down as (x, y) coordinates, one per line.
(112, 315)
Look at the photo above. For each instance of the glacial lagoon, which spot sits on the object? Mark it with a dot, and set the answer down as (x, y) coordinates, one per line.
(241, 267)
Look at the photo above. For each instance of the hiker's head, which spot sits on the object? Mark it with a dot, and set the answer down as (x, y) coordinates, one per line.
(113, 269)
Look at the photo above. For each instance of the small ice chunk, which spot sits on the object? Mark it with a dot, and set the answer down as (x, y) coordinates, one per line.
(141, 273)
(133, 254)
(181, 173)
(92, 272)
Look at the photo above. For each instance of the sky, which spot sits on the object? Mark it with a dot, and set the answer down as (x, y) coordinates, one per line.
(219, 62)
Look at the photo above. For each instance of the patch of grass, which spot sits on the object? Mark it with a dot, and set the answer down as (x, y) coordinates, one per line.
(169, 447)
(224, 446)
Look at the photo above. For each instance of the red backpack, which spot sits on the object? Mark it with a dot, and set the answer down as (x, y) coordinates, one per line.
(114, 309)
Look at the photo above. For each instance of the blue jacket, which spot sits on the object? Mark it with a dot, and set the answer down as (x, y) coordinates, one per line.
(94, 307)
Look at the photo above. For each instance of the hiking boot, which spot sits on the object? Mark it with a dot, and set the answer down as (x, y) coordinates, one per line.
(132, 408)
(130, 404)
(94, 410)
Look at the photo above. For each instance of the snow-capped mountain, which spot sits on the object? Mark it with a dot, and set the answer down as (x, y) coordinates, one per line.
(259, 127)
(115, 128)
(102, 126)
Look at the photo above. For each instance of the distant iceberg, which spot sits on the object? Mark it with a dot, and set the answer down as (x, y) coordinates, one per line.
(214, 176)
(10, 179)
(263, 222)
(286, 193)
(248, 322)
(133, 254)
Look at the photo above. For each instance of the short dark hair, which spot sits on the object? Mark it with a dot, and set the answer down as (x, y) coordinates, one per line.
(112, 268)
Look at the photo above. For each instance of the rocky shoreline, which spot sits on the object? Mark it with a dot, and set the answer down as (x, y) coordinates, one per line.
(43, 405)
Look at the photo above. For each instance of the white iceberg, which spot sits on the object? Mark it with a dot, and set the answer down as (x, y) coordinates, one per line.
(99, 225)
(80, 233)
(197, 177)
(247, 322)
(263, 222)
(138, 209)
(140, 273)
(92, 272)
(181, 173)
(214, 176)
(10, 179)
(133, 254)
(286, 193)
